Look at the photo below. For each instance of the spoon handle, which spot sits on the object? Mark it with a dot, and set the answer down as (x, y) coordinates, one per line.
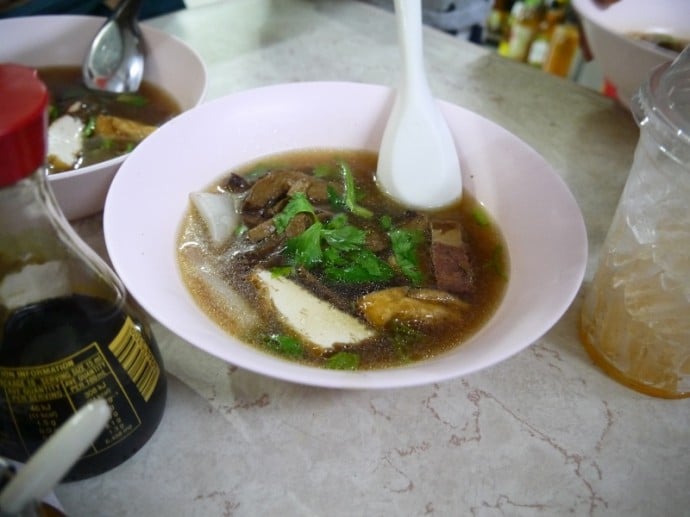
(55, 457)
(127, 9)
(409, 20)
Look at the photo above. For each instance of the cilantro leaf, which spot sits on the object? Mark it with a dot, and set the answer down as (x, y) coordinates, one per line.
(297, 204)
(358, 266)
(343, 236)
(305, 248)
(405, 244)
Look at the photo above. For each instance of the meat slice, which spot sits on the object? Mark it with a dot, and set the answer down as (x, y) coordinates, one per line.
(451, 262)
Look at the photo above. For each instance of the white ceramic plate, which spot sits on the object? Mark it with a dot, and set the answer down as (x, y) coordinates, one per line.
(539, 217)
(38, 41)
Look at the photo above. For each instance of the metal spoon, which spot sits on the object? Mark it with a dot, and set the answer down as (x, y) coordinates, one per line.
(115, 60)
(418, 163)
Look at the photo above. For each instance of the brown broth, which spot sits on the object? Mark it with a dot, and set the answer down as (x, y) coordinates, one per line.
(661, 40)
(488, 251)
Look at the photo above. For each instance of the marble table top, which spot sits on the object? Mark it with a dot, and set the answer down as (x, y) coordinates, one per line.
(543, 433)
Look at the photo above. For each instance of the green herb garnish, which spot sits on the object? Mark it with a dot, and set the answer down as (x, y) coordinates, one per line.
(297, 204)
(497, 262)
(350, 193)
(53, 112)
(284, 345)
(343, 361)
(89, 127)
(386, 222)
(405, 244)
(132, 99)
(324, 170)
(481, 217)
(305, 248)
(280, 271)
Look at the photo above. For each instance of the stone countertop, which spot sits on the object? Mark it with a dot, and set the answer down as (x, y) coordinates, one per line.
(543, 433)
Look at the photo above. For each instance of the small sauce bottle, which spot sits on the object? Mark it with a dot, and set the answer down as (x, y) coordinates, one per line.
(67, 333)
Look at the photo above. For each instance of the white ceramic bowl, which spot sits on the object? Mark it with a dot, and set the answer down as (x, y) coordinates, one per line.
(539, 217)
(63, 40)
(624, 61)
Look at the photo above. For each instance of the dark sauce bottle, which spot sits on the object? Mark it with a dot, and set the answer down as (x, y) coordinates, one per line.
(67, 333)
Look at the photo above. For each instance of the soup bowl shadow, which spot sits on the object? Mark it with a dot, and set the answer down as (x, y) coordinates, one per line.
(63, 40)
(538, 216)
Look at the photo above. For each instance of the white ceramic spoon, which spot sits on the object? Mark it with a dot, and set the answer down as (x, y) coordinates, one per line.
(418, 162)
(55, 457)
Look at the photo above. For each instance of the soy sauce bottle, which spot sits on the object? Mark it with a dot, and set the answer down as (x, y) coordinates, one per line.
(67, 332)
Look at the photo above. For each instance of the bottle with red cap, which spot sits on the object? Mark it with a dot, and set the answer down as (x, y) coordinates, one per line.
(67, 333)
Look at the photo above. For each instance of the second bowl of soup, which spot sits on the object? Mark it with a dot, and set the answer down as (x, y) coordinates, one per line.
(91, 133)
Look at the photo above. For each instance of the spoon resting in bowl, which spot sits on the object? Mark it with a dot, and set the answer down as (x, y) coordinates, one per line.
(115, 59)
(418, 163)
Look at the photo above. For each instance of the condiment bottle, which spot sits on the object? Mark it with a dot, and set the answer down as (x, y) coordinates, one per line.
(539, 49)
(496, 22)
(67, 333)
(564, 46)
(636, 315)
(527, 17)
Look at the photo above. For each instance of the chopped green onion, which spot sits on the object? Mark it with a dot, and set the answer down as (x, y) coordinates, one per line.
(481, 217)
(132, 99)
(497, 262)
(52, 112)
(284, 345)
(89, 127)
(350, 192)
(343, 361)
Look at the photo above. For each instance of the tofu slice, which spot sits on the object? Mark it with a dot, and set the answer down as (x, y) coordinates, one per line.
(65, 141)
(218, 213)
(315, 320)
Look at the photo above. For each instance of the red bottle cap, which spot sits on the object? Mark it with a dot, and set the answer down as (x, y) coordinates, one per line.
(23, 122)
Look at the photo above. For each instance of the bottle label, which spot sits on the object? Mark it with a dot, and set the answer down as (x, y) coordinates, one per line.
(44, 396)
(135, 356)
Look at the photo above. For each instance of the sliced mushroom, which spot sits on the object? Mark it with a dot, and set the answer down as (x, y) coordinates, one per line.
(275, 185)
